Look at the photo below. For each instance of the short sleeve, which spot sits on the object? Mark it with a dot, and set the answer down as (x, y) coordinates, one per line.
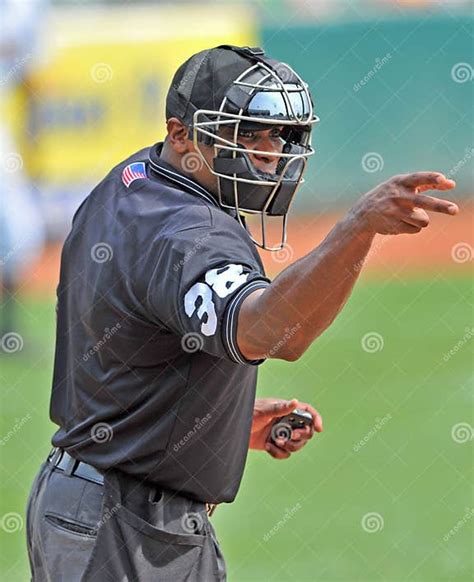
(200, 280)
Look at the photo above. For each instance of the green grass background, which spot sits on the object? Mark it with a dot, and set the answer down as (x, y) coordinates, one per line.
(301, 519)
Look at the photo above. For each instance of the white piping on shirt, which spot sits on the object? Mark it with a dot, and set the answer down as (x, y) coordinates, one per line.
(179, 179)
(252, 286)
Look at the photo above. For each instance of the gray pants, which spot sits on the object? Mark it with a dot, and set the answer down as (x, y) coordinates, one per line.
(123, 530)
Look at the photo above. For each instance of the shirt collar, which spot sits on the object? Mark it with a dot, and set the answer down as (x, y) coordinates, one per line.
(174, 175)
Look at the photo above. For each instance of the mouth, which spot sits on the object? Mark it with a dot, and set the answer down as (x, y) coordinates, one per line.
(268, 170)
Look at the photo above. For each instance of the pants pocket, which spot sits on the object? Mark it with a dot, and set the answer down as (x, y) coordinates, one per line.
(63, 515)
(130, 547)
(70, 526)
(64, 552)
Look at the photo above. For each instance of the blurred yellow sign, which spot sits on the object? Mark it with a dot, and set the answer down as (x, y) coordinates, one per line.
(100, 95)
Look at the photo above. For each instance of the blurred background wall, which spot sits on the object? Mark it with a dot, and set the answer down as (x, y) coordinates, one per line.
(394, 93)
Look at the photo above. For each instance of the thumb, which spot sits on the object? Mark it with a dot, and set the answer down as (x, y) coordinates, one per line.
(281, 407)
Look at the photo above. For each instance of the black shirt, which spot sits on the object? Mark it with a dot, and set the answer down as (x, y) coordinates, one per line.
(148, 377)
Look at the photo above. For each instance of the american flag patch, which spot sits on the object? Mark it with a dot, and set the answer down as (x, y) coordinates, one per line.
(133, 172)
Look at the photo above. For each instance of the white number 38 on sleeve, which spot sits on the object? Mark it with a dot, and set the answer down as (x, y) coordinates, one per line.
(222, 281)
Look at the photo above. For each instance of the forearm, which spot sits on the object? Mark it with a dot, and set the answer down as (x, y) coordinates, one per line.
(307, 296)
(282, 320)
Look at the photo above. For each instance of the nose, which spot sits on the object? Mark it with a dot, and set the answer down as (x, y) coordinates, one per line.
(266, 163)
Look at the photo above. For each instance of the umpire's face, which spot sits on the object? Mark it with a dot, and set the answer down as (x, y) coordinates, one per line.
(178, 145)
(264, 140)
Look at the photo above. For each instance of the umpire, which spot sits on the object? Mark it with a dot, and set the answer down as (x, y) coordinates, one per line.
(165, 312)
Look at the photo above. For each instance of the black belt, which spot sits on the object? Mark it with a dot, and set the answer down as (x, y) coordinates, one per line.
(63, 461)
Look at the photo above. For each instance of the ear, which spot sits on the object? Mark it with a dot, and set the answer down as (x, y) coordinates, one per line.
(178, 135)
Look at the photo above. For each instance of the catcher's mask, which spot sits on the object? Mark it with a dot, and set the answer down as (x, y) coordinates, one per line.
(265, 95)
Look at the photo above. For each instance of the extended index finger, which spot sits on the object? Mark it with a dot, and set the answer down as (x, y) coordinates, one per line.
(427, 180)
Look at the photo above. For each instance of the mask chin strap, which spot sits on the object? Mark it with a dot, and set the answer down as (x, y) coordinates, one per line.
(266, 213)
(263, 230)
(263, 221)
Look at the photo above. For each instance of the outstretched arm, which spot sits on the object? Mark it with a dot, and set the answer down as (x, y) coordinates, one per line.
(282, 320)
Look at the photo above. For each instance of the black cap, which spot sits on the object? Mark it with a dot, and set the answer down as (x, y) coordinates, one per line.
(205, 78)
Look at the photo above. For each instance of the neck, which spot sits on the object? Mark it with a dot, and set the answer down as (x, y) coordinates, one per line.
(199, 174)
(170, 157)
